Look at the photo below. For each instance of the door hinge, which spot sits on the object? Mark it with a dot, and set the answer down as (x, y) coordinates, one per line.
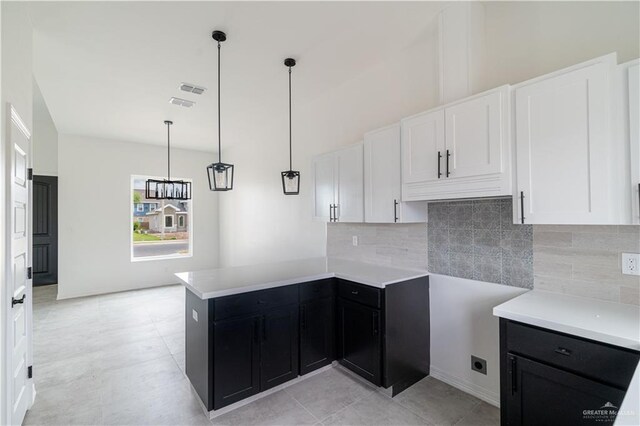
(30, 372)
(29, 174)
(29, 273)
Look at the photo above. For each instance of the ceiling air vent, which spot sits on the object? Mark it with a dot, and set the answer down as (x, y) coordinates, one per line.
(192, 88)
(181, 102)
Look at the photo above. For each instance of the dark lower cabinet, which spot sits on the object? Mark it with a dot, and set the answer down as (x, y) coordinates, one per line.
(359, 340)
(317, 334)
(552, 378)
(544, 395)
(236, 360)
(279, 347)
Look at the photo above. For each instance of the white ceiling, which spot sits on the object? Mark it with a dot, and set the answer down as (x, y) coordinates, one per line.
(108, 69)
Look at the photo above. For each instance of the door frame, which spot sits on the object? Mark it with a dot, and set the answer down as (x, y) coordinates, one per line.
(13, 118)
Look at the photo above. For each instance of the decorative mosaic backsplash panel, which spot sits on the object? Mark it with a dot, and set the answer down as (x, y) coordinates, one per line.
(477, 239)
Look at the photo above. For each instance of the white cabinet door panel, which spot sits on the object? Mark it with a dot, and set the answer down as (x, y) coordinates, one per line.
(349, 184)
(324, 183)
(382, 174)
(474, 136)
(634, 138)
(562, 138)
(422, 141)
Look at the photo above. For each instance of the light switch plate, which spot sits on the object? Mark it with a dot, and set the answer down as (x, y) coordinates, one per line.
(631, 263)
(194, 314)
(355, 240)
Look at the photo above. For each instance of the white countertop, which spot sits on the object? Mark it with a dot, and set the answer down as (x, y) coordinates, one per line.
(212, 283)
(609, 322)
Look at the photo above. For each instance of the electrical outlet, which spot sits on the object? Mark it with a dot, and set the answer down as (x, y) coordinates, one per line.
(631, 263)
(355, 240)
(478, 364)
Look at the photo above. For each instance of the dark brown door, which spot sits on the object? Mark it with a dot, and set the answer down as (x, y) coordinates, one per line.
(45, 230)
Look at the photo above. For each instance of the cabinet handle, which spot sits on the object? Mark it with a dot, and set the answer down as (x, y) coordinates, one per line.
(639, 200)
(330, 212)
(447, 169)
(304, 317)
(335, 213)
(395, 211)
(512, 371)
(15, 301)
(563, 351)
(522, 207)
(375, 323)
(264, 328)
(354, 292)
(439, 157)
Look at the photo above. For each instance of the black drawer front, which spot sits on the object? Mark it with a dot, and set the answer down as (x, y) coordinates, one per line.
(366, 295)
(244, 304)
(314, 290)
(591, 359)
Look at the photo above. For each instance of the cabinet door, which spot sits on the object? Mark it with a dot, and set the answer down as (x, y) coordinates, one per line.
(423, 147)
(323, 186)
(634, 137)
(350, 184)
(317, 334)
(279, 349)
(475, 136)
(541, 395)
(236, 360)
(382, 180)
(359, 341)
(563, 147)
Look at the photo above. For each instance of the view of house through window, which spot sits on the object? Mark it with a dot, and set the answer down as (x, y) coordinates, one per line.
(161, 228)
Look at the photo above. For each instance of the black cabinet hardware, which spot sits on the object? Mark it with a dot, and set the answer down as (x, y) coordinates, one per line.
(15, 301)
(439, 157)
(512, 373)
(447, 169)
(30, 372)
(330, 212)
(395, 211)
(563, 351)
(29, 272)
(29, 174)
(354, 292)
(522, 207)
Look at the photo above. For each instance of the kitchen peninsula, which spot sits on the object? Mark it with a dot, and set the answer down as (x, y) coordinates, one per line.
(251, 330)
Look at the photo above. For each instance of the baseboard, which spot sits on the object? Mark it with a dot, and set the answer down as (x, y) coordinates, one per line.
(465, 386)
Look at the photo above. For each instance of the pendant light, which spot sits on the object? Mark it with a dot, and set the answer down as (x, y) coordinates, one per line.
(167, 189)
(220, 174)
(290, 178)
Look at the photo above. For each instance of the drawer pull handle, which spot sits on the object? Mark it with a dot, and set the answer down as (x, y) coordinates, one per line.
(563, 351)
(354, 292)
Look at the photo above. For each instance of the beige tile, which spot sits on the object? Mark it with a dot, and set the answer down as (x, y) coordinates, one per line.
(552, 239)
(553, 254)
(551, 269)
(375, 409)
(630, 295)
(613, 242)
(482, 415)
(606, 229)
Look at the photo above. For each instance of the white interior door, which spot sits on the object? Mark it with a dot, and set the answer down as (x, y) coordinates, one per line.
(18, 252)
(382, 175)
(474, 136)
(350, 184)
(323, 186)
(423, 147)
(562, 145)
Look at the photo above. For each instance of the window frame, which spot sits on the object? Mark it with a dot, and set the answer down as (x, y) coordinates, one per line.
(168, 216)
(132, 211)
(139, 207)
(181, 218)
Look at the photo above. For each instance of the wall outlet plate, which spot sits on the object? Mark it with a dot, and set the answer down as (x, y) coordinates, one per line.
(479, 364)
(631, 263)
(355, 240)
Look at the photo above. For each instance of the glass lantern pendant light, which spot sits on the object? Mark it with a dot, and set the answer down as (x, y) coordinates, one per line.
(167, 189)
(220, 174)
(290, 178)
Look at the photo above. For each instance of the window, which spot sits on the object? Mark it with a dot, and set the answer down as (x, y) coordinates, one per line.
(155, 234)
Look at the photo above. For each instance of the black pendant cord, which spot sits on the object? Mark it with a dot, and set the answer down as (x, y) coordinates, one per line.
(219, 132)
(290, 158)
(168, 153)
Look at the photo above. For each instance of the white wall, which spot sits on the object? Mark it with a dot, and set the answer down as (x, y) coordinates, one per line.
(44, 137)
(95, 218)
(462, 324)
(15, 87)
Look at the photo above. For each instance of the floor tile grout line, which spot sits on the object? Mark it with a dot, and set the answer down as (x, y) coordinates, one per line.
(303, 407)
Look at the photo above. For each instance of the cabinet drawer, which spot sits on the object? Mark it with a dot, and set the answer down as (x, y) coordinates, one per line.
(595, 360)
(316, 290)
(255, 301)
(366, 295)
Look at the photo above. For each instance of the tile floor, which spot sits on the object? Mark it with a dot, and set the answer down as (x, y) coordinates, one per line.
(118, 359)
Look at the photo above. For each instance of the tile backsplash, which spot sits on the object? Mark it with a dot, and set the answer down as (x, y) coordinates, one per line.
(586, 261)
(476, 239)
(401, 245)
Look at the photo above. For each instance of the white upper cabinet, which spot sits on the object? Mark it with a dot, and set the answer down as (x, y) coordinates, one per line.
(422, 146)
(460, 151)
(382, 180)
(630, 88)
(564, 148)
(338, 186)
